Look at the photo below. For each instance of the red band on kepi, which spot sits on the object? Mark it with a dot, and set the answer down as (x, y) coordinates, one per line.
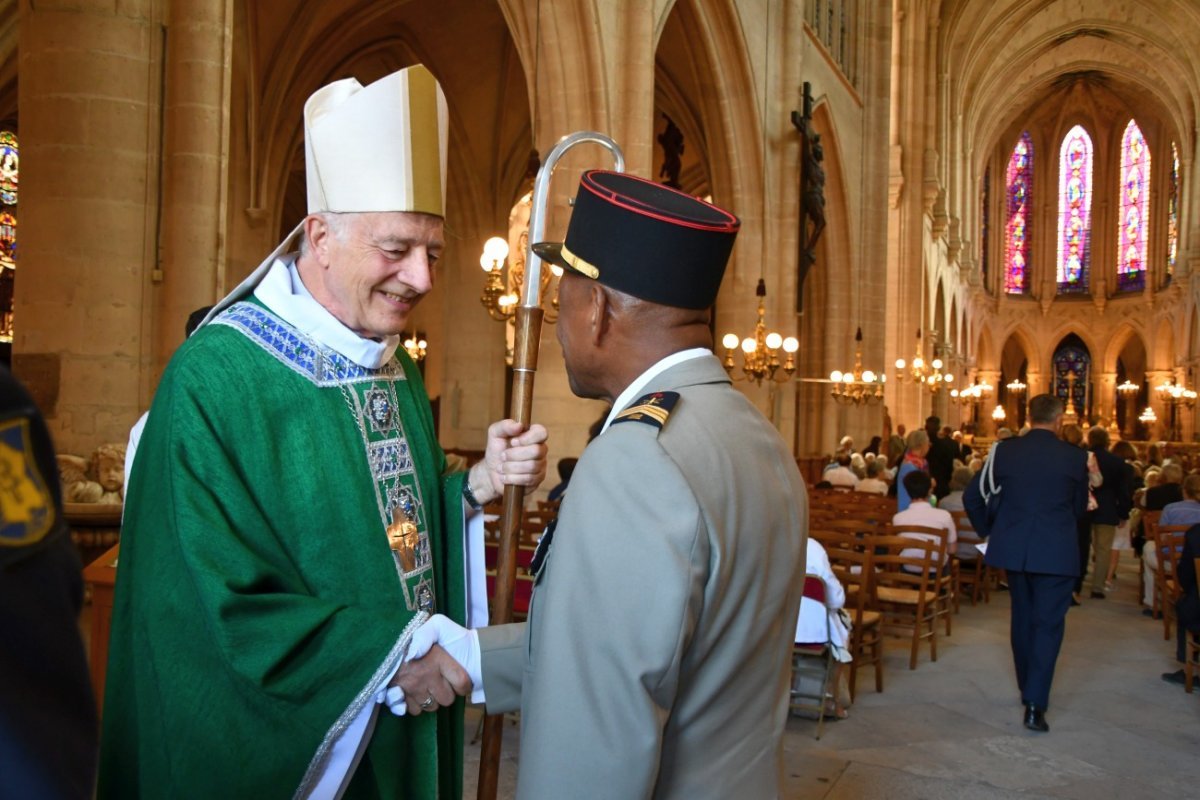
(645, 239)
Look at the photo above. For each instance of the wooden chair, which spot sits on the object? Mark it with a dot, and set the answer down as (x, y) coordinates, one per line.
(904, 588)
(814, 590)
(1168, 544)
(1192, 663)
(853, 564)
(1149, 528)
(972, 571)
(944, 580)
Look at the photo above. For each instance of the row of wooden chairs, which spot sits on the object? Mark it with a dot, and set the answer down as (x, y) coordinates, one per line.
(1168, 545)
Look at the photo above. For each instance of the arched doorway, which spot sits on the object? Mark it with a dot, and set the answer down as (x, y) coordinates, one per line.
(1131, 371)
(1071, 377)
(1014, 369)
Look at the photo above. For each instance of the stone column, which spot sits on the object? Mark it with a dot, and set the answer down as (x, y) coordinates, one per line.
(909, 198)
(195, 152)
(89, 94)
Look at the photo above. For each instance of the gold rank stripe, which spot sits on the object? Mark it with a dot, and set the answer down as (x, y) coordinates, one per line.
(579, 264)
(655, 412)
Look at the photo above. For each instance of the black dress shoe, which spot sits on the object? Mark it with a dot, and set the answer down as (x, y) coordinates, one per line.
(1035, 719)
(1097, 595)
(1174, 677)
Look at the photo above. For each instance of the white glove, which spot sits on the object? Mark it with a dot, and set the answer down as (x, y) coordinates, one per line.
(461, 643)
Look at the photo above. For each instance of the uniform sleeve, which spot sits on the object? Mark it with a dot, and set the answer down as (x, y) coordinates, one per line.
(612, 614)
(976, 507)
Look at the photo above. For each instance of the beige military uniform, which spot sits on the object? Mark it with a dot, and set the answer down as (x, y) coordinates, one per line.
(656, 658)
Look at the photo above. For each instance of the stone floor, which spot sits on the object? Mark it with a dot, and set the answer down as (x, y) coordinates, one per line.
(952, 729)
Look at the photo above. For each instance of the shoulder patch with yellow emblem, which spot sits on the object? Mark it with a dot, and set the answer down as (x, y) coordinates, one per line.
(26, 507)
(652, 409)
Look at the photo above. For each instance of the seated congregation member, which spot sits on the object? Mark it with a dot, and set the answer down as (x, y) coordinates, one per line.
(914, 460)
(1168, 488)
(954, 502)
(817, 621)
(1187, 510)
(1184, 512)
(841, 475)
(918, 485)
(874, 482)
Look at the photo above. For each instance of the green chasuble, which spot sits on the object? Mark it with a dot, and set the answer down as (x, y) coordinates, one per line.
(260, 600)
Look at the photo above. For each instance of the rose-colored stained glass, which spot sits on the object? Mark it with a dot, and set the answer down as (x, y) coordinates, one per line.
(1173, 214)
(1133, 224)
(1018, 185)
(1074, 211)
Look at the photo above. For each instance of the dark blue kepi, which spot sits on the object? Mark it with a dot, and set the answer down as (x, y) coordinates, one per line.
(646, 240)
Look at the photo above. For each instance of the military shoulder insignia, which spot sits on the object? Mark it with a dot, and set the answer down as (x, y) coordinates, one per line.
(26, 508)
(652, 409)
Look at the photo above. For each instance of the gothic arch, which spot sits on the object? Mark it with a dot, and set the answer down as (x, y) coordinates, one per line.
(1117, 343)
(1162, 357)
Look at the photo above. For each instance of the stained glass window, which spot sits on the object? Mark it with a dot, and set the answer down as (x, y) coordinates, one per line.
(1173, 214)
(1072, 358)
(1074, 211)
(985, 218)
(8, 240)
(9, 168)
(1134, 220)
(1018, 186)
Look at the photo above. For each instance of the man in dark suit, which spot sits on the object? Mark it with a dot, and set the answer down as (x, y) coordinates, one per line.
(48, 729)
(1114, 498)
(1038, 489)
(942, 452)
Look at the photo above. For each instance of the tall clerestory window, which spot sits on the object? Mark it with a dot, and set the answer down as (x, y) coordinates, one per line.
(1173, 214)
(1134, 221)
(1074, 211)
(1018, 187)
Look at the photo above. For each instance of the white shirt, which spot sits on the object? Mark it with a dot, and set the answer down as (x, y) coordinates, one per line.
(919, 512)
(841, 476)
(872, 485)
(811, 624)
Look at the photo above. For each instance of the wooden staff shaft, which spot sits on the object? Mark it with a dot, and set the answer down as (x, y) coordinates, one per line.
(525, 353)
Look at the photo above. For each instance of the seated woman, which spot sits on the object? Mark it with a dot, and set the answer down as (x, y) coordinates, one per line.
(811, 624)
(873, 482)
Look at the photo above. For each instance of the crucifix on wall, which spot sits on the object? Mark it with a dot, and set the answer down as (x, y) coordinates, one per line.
(812, 192)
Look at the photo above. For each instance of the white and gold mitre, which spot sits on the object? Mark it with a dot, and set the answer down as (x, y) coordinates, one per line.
(380, 147)
(369, 148)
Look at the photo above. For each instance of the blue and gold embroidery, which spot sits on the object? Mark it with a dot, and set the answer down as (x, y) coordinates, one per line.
(26, 505)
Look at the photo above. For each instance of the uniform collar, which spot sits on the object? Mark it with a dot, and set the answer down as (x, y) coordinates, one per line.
(633, 390)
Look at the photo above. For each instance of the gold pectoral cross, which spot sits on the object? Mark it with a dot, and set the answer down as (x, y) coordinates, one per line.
(402, 538)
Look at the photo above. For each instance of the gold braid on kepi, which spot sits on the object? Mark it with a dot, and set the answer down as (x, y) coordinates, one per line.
(646, 240)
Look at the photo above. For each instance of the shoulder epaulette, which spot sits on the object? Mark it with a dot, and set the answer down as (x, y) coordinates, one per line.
(652, 409)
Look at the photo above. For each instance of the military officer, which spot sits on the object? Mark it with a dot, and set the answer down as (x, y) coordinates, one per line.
(655, 661)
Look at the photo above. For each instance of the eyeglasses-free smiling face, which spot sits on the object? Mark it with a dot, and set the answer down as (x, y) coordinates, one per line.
(375, 267)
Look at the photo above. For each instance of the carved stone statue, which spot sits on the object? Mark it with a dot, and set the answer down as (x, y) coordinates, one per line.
(814, 191)
(77, 487)
(99, 480)
(108, 465)
(671, 140)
